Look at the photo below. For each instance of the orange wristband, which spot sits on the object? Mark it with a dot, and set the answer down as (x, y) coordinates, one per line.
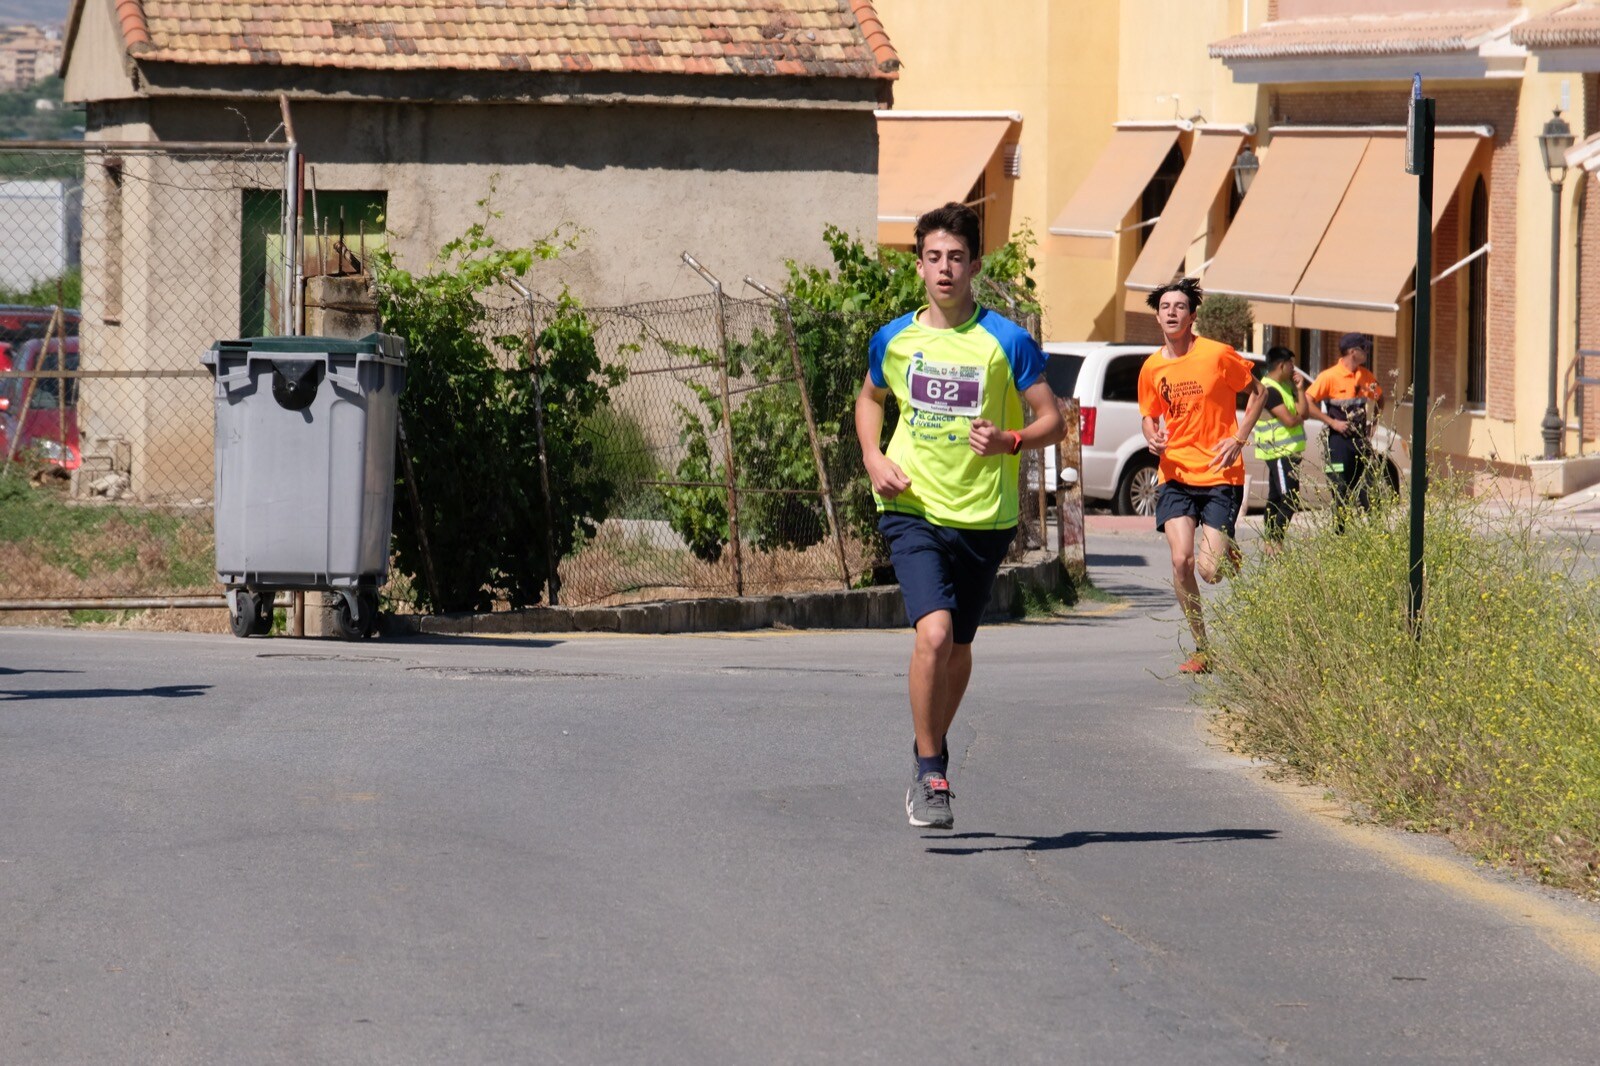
(1016, 441)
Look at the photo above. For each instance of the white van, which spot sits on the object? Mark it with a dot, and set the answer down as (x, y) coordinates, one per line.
(1118, 466)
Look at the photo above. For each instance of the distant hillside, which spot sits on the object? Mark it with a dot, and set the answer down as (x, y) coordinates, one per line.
(35, 12)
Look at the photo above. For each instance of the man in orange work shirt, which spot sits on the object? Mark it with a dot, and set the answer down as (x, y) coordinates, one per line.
(1339, 398)
(1188, 393)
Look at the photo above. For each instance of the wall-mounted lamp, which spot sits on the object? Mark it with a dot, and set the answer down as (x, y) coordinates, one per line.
(1244, 171)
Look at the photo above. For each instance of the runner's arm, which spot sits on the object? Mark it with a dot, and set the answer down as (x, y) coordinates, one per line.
(1046, 429)
(1154, 434)
(1229, 449)
(888, 480)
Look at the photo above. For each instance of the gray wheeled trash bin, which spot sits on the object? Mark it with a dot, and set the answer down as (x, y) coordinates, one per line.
(305, 472)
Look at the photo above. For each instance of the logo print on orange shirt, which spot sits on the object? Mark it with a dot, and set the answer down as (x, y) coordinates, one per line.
(1178, 396)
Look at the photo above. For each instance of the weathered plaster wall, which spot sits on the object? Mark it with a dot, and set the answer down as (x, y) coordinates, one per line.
(742, 190)
(97, 66)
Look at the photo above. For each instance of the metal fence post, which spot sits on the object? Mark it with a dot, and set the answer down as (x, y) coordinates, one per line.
(1069, 497)
(290, 223)
(553, 578)
(727, 425)
(824, 487)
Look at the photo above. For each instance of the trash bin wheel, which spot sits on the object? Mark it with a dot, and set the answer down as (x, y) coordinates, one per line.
(368, 598)
(254, 616)
(351, 623)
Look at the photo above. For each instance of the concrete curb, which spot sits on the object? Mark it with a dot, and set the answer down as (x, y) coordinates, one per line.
(872, 608)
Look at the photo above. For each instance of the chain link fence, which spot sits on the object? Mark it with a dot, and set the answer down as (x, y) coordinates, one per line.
(729, 442)
(721, 465)
(119, 265)
(731, 445)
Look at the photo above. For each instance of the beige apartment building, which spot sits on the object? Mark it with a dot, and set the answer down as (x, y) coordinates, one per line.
(1259, 144)
(27, 54)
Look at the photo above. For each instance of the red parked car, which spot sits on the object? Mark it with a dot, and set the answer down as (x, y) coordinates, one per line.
(41, 414)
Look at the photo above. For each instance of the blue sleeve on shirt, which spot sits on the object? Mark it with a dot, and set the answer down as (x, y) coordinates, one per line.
(1023, 352)
(880, 346)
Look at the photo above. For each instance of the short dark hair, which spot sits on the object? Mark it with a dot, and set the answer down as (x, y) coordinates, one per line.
(1188, 286)
(958, 220)
(1277, 355)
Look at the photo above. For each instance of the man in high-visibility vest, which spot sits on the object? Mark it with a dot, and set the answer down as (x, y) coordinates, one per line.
(1280, 439)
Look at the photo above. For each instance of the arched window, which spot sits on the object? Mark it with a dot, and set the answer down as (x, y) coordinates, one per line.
(1478, 300)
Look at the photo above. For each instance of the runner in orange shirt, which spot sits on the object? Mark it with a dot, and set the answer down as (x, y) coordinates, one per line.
(1339, 398)
(1188, 393)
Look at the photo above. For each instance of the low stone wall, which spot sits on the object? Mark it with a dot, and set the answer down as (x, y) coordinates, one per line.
(872, 608)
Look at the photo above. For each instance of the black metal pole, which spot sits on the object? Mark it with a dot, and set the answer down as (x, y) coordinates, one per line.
(1421, 351)
(1552, 426)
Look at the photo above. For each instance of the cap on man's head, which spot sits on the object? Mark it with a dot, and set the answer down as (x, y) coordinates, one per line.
(1355, 340)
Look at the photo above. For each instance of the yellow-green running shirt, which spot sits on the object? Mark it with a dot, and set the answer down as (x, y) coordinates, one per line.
(942, 379)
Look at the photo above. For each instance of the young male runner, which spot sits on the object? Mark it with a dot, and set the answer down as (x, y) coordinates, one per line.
(1280, 441)
(947, 487)
(1339, 398)
(1188, 393)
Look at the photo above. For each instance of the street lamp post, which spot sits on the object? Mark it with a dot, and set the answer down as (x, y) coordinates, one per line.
(1554, 141)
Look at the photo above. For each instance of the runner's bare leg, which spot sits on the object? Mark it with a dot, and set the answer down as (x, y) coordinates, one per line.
(1213, 555)
(1180, 540)
(931, 660)
(957, 674)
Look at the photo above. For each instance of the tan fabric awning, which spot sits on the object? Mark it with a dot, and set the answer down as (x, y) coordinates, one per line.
(1354, 282)
(924, 163)
(1302, 179)
(1205, 172)
(1093, 217)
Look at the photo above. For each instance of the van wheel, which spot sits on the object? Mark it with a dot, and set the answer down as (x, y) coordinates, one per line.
(1136, 492)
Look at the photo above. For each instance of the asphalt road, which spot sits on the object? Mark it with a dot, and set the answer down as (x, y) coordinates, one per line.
(693, 850)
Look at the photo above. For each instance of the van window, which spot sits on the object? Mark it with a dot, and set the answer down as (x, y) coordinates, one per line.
(1122, 379)
(1061, 371)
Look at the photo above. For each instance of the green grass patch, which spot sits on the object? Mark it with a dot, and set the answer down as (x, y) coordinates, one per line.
(1089, 592)
(52, 546)
(92, 617)
(1063, 598)
(1485, 726)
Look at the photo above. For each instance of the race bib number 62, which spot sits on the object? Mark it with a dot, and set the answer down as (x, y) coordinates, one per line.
(947, 389)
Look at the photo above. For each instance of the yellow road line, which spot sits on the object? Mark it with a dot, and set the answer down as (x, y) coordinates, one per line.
(1574, 935)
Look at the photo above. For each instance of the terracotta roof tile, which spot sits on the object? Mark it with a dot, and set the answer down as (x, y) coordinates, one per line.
(810, 38)
(1574, 26)
(1406, 33)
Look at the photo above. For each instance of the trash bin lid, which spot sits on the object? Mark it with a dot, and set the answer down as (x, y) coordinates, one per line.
(387, 346)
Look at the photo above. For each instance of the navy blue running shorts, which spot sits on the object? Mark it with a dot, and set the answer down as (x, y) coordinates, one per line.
(1216, 506)
(944, 569)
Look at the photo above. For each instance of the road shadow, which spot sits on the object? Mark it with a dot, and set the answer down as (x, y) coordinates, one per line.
(6, 671)
(1101, 559)
(1079, 838)
(163, 691)
(466, 640)
(1144, 598)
